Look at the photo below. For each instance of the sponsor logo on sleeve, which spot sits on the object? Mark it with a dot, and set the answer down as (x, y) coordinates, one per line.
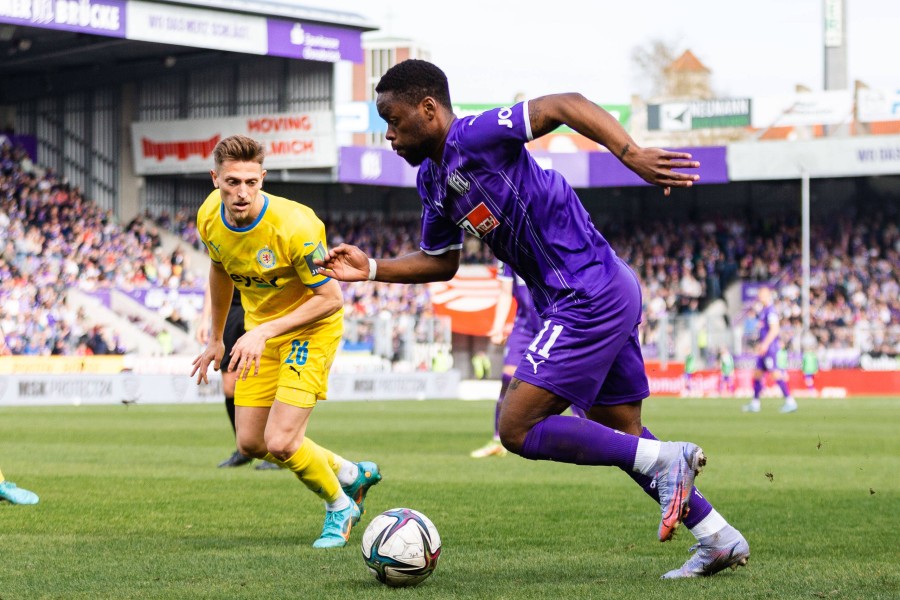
(318, 253)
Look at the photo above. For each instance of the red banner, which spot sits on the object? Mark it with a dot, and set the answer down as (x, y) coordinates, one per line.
(469, 299)
(671, 381)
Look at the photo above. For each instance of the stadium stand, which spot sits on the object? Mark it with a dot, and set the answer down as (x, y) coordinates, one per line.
(58, 242)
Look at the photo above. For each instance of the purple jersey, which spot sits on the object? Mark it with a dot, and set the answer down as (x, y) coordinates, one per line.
(489, 185)
(526, 315)
(768, 317)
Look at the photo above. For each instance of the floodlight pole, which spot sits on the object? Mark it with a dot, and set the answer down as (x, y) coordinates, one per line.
(804, 294)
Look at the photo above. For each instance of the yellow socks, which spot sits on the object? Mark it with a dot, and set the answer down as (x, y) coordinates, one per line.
(312, 465)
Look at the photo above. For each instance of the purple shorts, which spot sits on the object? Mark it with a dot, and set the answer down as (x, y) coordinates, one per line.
(589, 353)
(517, 342)
(766, 363)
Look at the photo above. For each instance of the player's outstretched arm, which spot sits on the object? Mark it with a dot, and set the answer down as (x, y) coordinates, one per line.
(653, 165)
(349, 263)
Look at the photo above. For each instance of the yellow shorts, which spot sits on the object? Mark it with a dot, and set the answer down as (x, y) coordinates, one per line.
(292, 369)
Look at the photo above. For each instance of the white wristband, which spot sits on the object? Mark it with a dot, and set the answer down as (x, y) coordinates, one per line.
(373, 267)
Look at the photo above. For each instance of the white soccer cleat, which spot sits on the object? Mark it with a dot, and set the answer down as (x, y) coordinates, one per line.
(677, 466)
(716, 552)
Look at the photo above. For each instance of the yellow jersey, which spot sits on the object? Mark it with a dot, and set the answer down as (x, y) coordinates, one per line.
(271, 260)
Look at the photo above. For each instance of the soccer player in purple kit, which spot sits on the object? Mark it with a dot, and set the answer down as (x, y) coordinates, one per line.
(766, 352)
(476, 175)
(526, 324)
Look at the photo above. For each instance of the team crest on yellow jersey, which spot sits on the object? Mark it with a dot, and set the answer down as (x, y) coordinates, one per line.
(266, 258)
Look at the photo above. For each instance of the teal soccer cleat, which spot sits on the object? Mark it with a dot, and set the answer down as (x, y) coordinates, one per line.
(716, 552)
(338, 523)
(16, 495)
(369, 475)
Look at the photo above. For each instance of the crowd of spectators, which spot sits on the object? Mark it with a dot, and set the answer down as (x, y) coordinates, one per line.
(54, 239)
(854, 281)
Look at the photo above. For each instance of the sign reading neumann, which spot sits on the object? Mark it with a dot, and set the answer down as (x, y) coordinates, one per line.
(703, 114)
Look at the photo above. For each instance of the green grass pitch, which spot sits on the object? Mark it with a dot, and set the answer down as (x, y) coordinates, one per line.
(132, 506)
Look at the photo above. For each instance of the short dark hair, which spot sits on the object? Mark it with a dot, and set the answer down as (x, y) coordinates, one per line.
(413, 80)
(238, 148)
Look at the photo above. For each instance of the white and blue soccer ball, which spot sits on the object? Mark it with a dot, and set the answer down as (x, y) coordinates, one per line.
(401, 547)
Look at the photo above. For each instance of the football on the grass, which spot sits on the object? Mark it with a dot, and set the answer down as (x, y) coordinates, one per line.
(401, 547)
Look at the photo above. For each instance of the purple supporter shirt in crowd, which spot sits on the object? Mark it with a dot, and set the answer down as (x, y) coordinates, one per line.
(489, 185)
(526, 314)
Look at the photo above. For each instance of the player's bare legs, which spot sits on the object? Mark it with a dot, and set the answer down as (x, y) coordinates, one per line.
(524, 406)
(285, 429)
(251, 426)
(277, 434)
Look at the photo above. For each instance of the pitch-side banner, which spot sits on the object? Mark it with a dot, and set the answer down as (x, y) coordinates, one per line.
(291, 140)
(135, 390)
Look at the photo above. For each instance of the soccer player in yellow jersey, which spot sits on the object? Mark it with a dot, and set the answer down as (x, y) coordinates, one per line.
(265, 245)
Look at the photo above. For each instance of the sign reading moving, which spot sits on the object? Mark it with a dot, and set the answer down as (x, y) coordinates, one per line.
(291, 141)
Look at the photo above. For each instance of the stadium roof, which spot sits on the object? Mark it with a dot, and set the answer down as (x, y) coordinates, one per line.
(283, 8)
(39, 61)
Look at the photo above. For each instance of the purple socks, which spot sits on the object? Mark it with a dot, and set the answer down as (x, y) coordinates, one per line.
(581, 442)
(784, 388)
(757, 388)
